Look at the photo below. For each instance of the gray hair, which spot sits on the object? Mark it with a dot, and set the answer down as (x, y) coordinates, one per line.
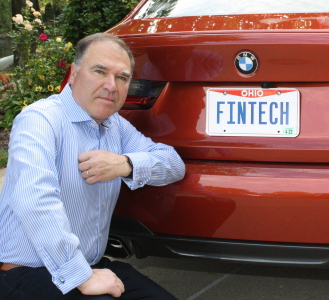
(84, 44)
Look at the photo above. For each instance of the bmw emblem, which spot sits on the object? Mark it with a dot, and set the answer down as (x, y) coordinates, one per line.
(246, 63)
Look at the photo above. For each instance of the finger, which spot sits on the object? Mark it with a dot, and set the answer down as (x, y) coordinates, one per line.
(84, 166)
(86, 174)
(120, 285)
(92, 180)
(116, 292)
(84, 156)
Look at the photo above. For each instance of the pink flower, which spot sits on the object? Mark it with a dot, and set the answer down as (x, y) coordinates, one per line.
(43, 37)
(61, 64)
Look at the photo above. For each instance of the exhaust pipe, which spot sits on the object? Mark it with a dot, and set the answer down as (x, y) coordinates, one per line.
(116, 248)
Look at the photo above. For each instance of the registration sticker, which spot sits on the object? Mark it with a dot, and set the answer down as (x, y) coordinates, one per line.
(253, 112)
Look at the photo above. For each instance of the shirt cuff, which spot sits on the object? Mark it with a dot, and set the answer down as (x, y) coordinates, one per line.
(142, 170)
(72, 274)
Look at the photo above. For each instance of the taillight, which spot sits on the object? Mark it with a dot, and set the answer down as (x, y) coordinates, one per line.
(142, 94)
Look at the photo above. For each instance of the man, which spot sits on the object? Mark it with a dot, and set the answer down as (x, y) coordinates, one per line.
(68, 155)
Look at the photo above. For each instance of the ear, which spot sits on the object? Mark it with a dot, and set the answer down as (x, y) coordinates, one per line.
(73, 73)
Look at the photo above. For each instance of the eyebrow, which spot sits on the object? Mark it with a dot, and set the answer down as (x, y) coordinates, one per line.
(126, 74)
(99, 66)
(105, 68)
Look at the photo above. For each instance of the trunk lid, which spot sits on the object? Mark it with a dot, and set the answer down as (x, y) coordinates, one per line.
(293, 56)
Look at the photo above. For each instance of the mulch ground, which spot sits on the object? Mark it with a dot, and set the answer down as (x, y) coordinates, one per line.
(4, 139)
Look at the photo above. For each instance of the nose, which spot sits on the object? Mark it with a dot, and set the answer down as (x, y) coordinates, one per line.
(110, 84)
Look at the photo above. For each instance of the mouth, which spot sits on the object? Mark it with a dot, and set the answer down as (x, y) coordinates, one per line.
(106, 99)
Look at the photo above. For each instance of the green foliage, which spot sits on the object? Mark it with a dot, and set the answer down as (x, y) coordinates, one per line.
(5, 13)
(51, 12)
(43, 58)
(60, 3)
(3, 158)
(87, 17)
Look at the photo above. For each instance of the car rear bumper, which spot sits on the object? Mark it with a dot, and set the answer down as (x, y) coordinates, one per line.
(280, 203)
(131, 237)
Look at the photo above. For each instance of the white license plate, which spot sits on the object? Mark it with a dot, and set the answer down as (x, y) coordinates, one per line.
(253, 112)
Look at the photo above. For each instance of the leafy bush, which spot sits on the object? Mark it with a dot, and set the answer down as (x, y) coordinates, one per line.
(87, 17)
(51, 12)
(3, 158)
(43, 58)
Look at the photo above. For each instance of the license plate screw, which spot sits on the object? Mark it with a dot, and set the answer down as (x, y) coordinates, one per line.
(278, 93)
(224, 93)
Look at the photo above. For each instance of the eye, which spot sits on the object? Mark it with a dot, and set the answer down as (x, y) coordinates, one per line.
(99, 71)
(123, 78)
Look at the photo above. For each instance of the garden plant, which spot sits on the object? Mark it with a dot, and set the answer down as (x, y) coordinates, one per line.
(42, 56)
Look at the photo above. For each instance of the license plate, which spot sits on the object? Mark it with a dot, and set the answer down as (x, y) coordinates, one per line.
(253, 112)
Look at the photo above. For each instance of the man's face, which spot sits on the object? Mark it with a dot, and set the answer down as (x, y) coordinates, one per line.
(100, 85)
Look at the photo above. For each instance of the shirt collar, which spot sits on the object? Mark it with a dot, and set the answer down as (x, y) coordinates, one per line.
(74, 112)
(107, 122)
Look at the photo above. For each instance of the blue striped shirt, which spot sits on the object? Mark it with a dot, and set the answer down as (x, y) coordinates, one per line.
(49, 215)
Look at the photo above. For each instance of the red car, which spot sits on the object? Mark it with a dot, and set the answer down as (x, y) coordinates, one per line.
(242, 93)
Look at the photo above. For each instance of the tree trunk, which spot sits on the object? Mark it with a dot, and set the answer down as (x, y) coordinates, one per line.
(36, 5)
(17, 6)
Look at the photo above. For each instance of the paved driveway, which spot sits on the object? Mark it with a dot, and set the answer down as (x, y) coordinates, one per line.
(2, 174)
(210, 280)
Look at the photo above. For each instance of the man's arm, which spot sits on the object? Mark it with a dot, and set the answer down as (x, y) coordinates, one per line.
(36, 200)
(154, 163)
(101, 165)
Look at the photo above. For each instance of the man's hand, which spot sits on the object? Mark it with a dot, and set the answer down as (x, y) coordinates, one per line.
(101, 165)
(102, 282)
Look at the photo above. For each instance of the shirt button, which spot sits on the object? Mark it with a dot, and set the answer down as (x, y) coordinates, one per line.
(140, 182)
(104, 203)
(61, 279)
